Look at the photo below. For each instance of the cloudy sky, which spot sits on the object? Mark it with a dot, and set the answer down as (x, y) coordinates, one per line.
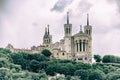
(22, 22)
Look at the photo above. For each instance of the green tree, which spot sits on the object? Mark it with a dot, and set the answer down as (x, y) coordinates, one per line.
(109, 59)
(34, 66)
(17, 58)
(83, 74)
(82, 66)
(4, 62)
(5, 74)
(97, 58)
(15, 68)
(46, 52)
(113, 75)
(51, 70)
(71, 69)
(37, 57)
(65, 70)
(43, 65)
(97, 75)
(5, 51)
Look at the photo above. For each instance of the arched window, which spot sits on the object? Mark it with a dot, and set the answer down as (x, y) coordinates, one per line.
(77, 45)
(85, 58)
(69, 30)
(89, 32)
(84, 45)
(80, 44)
(63, 54)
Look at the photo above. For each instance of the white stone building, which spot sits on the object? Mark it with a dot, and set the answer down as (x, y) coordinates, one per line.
(77, 47)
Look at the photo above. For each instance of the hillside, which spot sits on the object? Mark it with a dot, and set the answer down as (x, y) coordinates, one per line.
(26, 66)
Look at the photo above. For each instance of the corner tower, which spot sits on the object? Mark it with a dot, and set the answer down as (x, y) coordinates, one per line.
(47, 39)
(68, 37)
(88, 32)
(68, 27)
(88, 27)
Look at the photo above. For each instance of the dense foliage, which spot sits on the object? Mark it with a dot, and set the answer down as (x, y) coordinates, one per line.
(46, 52)
(111, 59)
(97, 58)
(26, 66)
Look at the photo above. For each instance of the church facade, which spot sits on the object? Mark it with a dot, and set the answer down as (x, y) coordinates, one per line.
(77, 47)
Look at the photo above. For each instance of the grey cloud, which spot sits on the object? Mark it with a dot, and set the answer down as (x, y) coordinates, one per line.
(117, 2)
(2, 5)
(84, 6)
(117, 26)
(61, 5)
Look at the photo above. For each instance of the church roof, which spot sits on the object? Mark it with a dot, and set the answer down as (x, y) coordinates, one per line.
(45, 36)
(80, 34)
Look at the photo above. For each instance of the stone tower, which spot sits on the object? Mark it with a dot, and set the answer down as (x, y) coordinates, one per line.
(88, 31)
(83, 44)
(67, 36)
(47, 39)
(68, 27)
(88, 28)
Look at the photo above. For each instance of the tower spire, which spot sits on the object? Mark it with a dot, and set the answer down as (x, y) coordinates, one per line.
(48, 29)
(67, 17)
(87, 19)
(45, 30)
(45, 35)
(81, 31)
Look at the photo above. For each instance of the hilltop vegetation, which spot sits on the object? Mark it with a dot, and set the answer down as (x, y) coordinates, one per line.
(26, 66)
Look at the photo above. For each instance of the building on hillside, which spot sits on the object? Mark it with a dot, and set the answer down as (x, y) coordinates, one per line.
(77, 47)
(16, 50)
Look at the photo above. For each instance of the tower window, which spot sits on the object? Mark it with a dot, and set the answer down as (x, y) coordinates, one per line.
(69, 30)
(89, 32)
(63, 54)
(85, 58)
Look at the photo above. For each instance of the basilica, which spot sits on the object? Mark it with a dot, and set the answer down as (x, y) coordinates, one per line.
(77, 47)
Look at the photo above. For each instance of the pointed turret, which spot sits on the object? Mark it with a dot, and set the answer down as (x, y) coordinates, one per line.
(67, 17)
(48, 29)
(68, 27)
(87, 19)
(81, 31)
(45, 29)
(88, 27)
(46, 33)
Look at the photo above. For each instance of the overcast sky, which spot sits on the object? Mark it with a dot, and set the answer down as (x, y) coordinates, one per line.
(22, 22)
